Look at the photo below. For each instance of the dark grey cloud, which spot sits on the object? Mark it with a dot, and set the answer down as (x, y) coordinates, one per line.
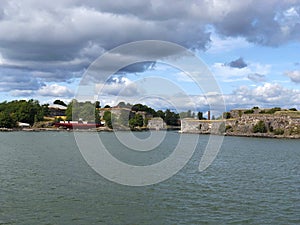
(270, 23)
(15, 79)
(256, 77)
(57, 40)
(137, 67)
(238, 63)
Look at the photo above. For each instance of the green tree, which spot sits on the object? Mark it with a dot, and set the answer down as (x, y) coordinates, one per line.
(273, 110)
(136, 121)
(226, 115)
(7, 121)
(97, 105)
(139, 107)
(46, 109)
(29, 111)
(171, 118)
(24, 111)
(108, 120)
(161, 114)
(69, 111)
(200, 115)
(270, 111)
(97, 116)
(260, 127)
(144, 108)
(249, 111)
(139, 120)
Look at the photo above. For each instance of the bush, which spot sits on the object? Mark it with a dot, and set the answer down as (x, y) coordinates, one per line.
(228, 127)
(278, 131)
(249, 111)
(108, 120)
(270, 111)
(226, 115)
(7, 121)
(136, 121)
(260, 127)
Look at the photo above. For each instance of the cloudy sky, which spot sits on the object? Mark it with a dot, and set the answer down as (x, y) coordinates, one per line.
(251, 47)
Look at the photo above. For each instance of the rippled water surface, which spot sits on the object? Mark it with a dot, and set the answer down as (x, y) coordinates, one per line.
(44, 180)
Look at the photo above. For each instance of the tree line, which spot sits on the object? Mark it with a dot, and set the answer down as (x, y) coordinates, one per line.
(21, 111)
(90, 111)
(31, 111)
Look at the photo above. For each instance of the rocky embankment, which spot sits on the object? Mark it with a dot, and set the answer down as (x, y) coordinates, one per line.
(277, 125)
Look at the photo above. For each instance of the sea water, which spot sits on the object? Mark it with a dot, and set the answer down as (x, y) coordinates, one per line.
(45, 180)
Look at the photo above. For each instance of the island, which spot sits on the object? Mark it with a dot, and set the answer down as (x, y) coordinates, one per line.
(255, 122)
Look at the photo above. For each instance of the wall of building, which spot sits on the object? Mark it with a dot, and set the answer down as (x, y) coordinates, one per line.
(202, 126)
(156, 123)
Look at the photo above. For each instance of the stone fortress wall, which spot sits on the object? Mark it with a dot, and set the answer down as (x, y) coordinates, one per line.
(280, 124)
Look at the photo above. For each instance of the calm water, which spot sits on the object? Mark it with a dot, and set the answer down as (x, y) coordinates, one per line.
(44, 180)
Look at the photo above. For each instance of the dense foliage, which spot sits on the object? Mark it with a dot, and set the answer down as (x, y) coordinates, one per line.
(21, 111)
(108, 120)
(171, 118)
(270, 111)
(249, 111)
(293, 109)
(260, 127)
(144, 108)
(226, 115)
(7, 121)
(86, 111)
(136, 121)
(200, 115)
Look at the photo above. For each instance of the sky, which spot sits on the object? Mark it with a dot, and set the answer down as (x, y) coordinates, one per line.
(251, 48)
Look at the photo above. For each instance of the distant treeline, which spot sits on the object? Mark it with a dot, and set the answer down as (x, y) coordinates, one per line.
(88, 111)
(21, 111)
(31, 111)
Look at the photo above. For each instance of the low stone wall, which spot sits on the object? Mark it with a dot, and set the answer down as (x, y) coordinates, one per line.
(202, 126)
(156, 123)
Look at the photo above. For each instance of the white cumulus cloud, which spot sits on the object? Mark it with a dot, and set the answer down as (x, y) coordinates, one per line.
(294, 75)
(55, 90)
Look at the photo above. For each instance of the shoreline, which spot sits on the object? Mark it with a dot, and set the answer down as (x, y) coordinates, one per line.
(105, 129)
